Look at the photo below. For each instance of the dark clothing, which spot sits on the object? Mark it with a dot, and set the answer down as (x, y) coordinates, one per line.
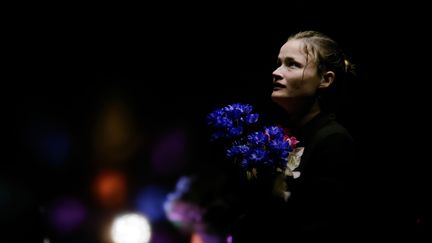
(320, 205)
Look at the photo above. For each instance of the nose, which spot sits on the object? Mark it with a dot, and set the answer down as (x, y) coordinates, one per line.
(276, 75)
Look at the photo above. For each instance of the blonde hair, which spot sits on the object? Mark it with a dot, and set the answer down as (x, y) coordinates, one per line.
(326, 53)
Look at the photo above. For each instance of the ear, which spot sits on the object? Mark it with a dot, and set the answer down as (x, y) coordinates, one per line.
(327, 79)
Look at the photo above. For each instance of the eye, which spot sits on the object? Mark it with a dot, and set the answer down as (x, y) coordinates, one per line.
(293, 64)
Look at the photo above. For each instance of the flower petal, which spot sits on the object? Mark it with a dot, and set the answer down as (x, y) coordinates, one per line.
(294, 158)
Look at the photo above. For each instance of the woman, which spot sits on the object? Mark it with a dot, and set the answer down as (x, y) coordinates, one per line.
(309, 77)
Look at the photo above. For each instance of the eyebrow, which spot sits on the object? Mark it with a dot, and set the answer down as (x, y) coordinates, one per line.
(290, 59)
(287, 59)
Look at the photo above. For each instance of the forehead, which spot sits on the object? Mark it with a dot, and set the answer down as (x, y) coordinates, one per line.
(293, 49)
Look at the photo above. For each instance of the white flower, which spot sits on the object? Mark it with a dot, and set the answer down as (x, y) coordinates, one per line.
(294, 158)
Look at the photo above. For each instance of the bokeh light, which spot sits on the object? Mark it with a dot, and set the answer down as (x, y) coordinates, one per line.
(150, 201)
(110, 188)
(50, 141)
(67, 214)
(170, 153)
(131, 228)
(205, 237)
(115, 136)
(196, 238)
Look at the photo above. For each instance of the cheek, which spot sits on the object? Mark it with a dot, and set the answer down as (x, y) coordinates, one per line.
(306, 84)
(293, 78)
(300, 83)
(294, 84)
(301, 87)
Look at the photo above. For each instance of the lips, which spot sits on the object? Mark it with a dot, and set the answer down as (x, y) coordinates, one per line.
(277, 86)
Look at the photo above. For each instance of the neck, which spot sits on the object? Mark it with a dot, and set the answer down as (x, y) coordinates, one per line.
(301, 112)
(309, 115)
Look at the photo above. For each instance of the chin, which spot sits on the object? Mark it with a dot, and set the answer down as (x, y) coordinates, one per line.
(286, 103)
(278, 98)
(277, 95)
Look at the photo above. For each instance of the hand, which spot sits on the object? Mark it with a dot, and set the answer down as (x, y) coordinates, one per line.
(280, 188)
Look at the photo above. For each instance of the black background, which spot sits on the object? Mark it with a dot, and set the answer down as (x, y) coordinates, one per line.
(173, 64)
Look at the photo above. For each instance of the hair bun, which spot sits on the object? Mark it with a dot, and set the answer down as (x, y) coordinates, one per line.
(349, 67)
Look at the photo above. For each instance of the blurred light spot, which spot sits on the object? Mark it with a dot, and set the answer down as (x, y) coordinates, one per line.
(131, 228)
(67, 214)
(201, 237)
(50, 142)
(150, 201)
(196, 238)
(169, 155)
(115, 136)
(110, 188)
(229, 239)
(55, 146)
(165, 236)
(185, 215)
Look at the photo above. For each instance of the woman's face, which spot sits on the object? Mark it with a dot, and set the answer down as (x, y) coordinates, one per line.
(296, 76)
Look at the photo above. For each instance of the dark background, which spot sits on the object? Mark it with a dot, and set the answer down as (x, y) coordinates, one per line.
(172, 66)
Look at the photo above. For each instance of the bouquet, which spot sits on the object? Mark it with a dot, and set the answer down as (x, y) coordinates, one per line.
(250, 147)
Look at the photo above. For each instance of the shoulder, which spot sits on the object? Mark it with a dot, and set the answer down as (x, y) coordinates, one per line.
(330, 146)
(332, 132)
(326, 144)
(333, 140)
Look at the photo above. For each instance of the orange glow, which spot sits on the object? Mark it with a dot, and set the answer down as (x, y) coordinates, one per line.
(196, 238)
(110, 188)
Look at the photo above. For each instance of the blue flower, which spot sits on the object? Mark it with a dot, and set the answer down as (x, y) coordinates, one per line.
(250, 147)
(229, 121)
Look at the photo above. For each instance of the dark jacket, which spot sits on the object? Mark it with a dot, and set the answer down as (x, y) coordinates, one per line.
(321, 203)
